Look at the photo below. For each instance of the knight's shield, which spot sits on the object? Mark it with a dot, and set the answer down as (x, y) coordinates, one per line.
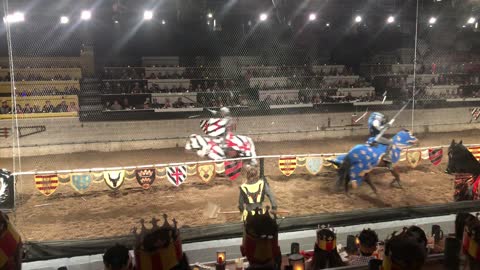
(145, 177)
(413, 158)
(287, 165)
(46, 184)
(80, 182)
(314, 165)
(114, 179)
(435, 155)
(206, 172)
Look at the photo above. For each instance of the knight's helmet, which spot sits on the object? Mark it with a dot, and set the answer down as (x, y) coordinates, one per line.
(11, 244)
(260, 238)
(326, 239)
(158, 247)
(224, 111)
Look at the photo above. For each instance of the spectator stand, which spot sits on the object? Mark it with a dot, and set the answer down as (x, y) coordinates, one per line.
(44, 106)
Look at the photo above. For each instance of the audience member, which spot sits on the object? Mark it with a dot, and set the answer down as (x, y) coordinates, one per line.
(117, 258)
(325, 251)
(167, 104)
(48, 107)
(62, 107)
(28, 109)
(5, 109)
(116, 106)
(179, 103)
(11, 245)
(368, 245)
(73, 107)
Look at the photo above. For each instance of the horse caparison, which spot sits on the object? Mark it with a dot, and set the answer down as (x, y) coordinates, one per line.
(463, 163)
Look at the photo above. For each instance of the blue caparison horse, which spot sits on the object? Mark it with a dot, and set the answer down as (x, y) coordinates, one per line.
(356, 165)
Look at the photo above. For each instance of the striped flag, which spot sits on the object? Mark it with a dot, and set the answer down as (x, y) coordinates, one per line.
(233, 169)
(476, 113)
(214, 126)
(46, 184)
(177, 175)
(435, 155)
(475, 151)
(287, 165)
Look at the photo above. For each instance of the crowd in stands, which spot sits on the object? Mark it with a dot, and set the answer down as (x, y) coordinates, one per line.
(48, 91)
(37, 77)
(48, 107)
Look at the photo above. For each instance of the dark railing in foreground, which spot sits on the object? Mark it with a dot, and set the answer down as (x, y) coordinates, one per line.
(70, 248)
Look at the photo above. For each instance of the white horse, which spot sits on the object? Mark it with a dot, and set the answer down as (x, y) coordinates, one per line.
(243, 146)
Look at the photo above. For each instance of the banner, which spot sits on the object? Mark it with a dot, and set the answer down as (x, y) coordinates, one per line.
(314, 165)
(80, 182)
(206, 172)
(114, 179)
(287, 165)
(413, 158)
(145, 177)
(46, 184)
(233, 169)
(435, 155)
(177, 175)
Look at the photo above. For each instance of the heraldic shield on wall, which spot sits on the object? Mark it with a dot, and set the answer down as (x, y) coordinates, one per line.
(413, 158)
(80, 182)
(177, 175)
(435, 155)
(145, 177)
(314, 165)
(7, 190)
(46, 184)
(206, 172)
(287, 165)
(114, 179)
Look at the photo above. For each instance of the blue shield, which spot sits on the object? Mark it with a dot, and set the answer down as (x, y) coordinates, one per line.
(81, 182)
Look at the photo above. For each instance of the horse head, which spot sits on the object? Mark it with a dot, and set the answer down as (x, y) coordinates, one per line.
(461, 160)
(404, 138)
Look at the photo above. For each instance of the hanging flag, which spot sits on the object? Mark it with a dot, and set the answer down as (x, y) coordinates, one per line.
(287, 165)
(145, 177)
(475, 151)
(114, 179)
(80, 182)
(191, 169)
(233, 169)
(206, 172)
(46, 184)
(435, 155)
(177, 175)
(314, 165)
(425, 154)
(219, 167)
(301, 161)
(413, 158)
(476, 113)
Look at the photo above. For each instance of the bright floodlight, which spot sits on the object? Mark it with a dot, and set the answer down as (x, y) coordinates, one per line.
(15, 17)
(327, 24)
(263, 17)
(471, 20)
(390, 19)
(312, 17)
(358, 19)
(210, 15)
(148, 15)
(164, 22)
(86, 15)
(64, 20)
(432, 20)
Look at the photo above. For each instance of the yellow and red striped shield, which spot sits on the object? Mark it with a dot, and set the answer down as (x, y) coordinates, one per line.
(475, 151)
(46, 184)
(287, 165)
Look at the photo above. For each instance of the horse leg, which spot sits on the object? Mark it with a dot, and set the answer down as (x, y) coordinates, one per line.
(395, 174)
(367, 179)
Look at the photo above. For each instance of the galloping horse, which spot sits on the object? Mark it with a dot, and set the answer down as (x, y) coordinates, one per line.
(462, 161)
(216, 149)
(356, 165)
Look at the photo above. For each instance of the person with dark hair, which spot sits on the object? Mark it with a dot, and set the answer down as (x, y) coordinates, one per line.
(460, 221)
(117, 258)
(11, 247)
(419, 234)
(404, 252)
(368, 245)
(325, 251)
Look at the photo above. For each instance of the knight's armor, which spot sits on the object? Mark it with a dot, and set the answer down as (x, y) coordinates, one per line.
(376, 126)
(252, 197)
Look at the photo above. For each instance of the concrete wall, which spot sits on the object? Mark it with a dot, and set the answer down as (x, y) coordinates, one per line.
(66, 135)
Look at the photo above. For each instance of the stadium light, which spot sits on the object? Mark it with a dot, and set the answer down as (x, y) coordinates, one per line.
(86, 15)
(471, 20)
(210, 15)
(390, 19)
(15, 17)
(64, 20)
(312, 17)
(164, 22)
(327, 24)
(358, 19)
(263, 17)
(148, 15)
(432, 20)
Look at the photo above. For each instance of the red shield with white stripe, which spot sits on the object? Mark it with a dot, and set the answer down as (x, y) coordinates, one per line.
(435, 155)
(233, 169)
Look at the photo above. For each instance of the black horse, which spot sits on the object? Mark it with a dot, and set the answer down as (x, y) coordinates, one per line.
(462, 161)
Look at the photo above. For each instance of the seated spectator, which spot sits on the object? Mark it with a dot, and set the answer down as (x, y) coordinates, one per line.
(268, 100)
(73, 107)
(48, 107)
(117, 258)
(325, 251)
(179, 103)
(62, 107)
(37, 109)
(368, 245)
(116, 106)
(18, 109)
(155, 104)
(126, 104)
(167, 104)
(27, 108)
(11, 248)
(5, 109)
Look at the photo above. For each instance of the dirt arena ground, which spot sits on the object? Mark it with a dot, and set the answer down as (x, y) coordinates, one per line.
(69, 215)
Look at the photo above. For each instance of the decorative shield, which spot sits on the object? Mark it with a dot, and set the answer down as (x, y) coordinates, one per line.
(145, 177)
(63, 178)
(435, 155)
(97, 177)
(192, 169)
(314, 165)
(161, 172)
(287, 165)
(80, 182)
(301, 161)
(177, 175)
(233, 169)
(475, 151)
(206, 172)
(413, 158)
(219, 167)
(46, 184)
(425, 154)
(114, 179)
